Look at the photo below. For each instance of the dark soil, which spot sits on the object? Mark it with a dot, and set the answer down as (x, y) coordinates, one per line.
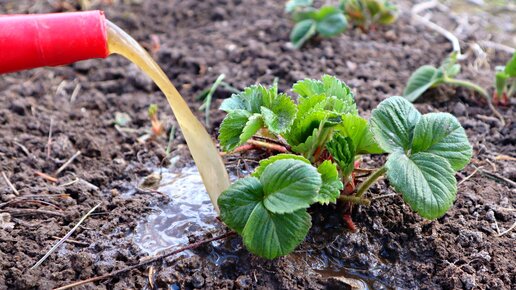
(247, 41)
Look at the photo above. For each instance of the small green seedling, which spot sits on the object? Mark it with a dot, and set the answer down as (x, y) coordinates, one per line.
(366, 14)
(328, 21)
(428, 76)
(505, 82)
(326, 138)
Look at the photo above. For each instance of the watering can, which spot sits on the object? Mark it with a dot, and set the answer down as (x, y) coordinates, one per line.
(30, 41)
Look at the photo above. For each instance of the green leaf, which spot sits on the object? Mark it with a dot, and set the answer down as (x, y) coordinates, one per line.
(293, 5)
(304, 126)
(272, 235)
(251, 99)
(328, 86)
(231, 129)
(510, 67)
(266, 162)
(254, 123)
(425, 180)
(449, 66)
(392, 124)
(309, 144)
(342, 150)
(238, 201)
(289, 185)
(332, 23)
(311, 104)
(331, 184)
(281, 114)
(420, 81)
(441, 134)
(302, 31)
(358, 130)
(303, 14)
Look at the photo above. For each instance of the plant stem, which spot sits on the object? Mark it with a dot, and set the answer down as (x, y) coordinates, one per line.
(275, 147)
(480, 90)
(370, 181)
(355, 200)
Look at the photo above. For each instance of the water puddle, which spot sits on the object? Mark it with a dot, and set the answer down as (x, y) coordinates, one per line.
(190, 212)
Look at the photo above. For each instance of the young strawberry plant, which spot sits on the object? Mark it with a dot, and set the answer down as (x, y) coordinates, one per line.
(428, 76)
(505, 82)
(368, 13)
(327, 21)
(324, 138)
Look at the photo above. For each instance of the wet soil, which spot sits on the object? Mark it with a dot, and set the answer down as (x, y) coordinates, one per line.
(248, 41)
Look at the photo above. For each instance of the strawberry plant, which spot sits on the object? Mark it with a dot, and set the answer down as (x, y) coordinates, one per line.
(326, 21)
(326, 138)
(428, 76)
(329, 21)
(505, 81)
(368, 13)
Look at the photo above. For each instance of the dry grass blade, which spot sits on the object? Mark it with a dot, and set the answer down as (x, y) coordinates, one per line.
(61, 241)
(506, 231)
(67, 163)
(10, 184)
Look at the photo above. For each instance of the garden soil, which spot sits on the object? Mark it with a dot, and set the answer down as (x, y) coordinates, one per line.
(49, 114)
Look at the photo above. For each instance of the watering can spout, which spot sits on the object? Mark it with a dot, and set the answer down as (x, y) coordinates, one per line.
(30, 41)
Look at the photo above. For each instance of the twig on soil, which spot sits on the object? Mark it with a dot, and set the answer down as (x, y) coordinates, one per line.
(30, 211)
(67, 163)
(15, 191)
(76, 180)
(46, 176)
(492, 165)
(499, 178)
(383, 196)
(79, 243)
(23, 148)
(499, 46)
(49, 142)
(505, 158)
(146, 262)
(75, 93)
(151, 277)
(508, 230)
(61, 241)
(469, 176)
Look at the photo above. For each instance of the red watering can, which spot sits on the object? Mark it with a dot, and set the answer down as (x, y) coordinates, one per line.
(30, 41)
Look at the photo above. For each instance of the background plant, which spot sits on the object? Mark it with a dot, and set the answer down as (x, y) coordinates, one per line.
(368, 13)
(428, 76)
(327, 21)
(325, 138)
(505, 81)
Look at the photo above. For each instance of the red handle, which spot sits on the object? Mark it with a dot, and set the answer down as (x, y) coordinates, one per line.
(29, 41)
